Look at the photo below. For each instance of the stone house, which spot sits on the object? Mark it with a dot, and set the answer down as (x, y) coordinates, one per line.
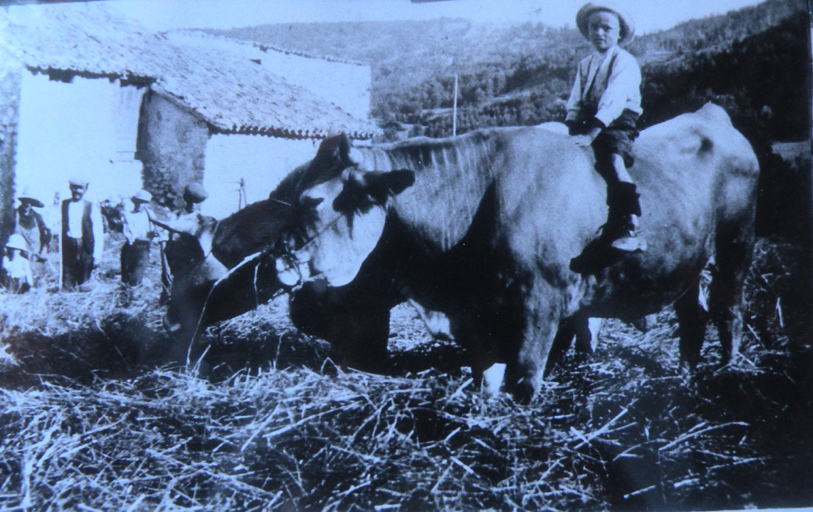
(85, 92)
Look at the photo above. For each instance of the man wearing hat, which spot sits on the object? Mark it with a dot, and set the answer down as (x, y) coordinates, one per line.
(82, 239)
(138, 231)
(602, 112)
(187, 220)
(30, 225)
(193, 195)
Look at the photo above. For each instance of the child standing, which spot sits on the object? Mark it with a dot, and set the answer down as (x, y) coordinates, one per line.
(602, 112)
(18, 277)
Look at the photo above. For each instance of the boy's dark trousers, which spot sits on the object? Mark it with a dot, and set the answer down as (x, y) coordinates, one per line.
(622, 196)
(134, 259)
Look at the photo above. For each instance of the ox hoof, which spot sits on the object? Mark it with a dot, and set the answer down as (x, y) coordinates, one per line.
(492, 380)
(522, 392)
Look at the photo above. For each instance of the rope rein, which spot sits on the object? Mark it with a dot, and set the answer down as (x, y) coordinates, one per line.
(290, 255)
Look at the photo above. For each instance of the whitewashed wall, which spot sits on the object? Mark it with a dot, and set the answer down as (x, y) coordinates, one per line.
(260, 161)
(87, 127)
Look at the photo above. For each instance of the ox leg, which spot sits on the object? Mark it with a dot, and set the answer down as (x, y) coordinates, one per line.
(576, 327)
(360, 340)
(691, 326)
(561, 342)
(525, 373)
(725, 295)
(587, 335)
(357, 330)
(475, 336)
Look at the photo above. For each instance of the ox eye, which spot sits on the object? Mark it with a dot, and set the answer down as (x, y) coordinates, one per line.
(352, 175)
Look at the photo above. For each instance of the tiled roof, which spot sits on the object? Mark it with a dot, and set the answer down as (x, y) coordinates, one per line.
(232, 94)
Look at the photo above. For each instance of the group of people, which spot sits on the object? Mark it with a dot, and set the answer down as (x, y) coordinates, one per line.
(81, 238)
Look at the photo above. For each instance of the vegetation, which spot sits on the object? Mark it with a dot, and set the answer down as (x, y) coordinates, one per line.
(521, 74)
(753, 62)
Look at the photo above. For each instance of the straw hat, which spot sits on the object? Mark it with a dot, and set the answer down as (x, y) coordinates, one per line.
(16, 241)
(624, 19)
(26, 197)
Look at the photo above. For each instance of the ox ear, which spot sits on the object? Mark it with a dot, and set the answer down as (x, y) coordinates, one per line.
(332, 157)
(373, 188)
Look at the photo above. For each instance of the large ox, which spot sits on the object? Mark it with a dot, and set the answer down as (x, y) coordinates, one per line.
(486, 234)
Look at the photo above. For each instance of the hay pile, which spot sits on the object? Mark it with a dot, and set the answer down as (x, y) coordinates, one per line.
(280, 428)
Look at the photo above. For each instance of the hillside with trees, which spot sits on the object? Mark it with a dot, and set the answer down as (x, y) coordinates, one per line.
(521, 73)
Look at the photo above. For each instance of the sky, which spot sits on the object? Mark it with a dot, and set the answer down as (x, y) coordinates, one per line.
(650, 15)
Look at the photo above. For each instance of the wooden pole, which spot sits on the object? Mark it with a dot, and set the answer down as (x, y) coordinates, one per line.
(454, 110)
(61, 244)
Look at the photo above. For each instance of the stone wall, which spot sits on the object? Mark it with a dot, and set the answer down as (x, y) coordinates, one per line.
(10, 79)
(171, 145)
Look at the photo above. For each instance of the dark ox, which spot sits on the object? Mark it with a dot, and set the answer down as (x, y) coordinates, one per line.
(486, 233)
(223, 269)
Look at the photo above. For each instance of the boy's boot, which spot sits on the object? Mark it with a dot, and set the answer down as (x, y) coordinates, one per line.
(618, 237)
(622, 228)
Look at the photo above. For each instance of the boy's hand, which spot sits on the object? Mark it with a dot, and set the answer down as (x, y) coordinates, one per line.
(586, 139)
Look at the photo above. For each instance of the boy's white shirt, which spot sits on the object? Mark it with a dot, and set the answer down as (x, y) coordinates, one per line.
(137, 225)
(614, 91)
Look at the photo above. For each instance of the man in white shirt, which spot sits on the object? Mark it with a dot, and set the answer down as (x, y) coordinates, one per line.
(139, 232)
(82, 239)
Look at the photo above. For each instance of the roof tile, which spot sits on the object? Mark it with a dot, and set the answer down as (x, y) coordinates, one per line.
(226, 89)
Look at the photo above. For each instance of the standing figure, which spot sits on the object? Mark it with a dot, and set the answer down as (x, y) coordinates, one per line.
(193, 195)
(137, 229)
(187, 219)
(82, 239)
(16, 266)
(602, 112)
(30, 225)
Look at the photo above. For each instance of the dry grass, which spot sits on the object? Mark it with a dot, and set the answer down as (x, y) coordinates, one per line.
(281, 428)
(107, 327)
